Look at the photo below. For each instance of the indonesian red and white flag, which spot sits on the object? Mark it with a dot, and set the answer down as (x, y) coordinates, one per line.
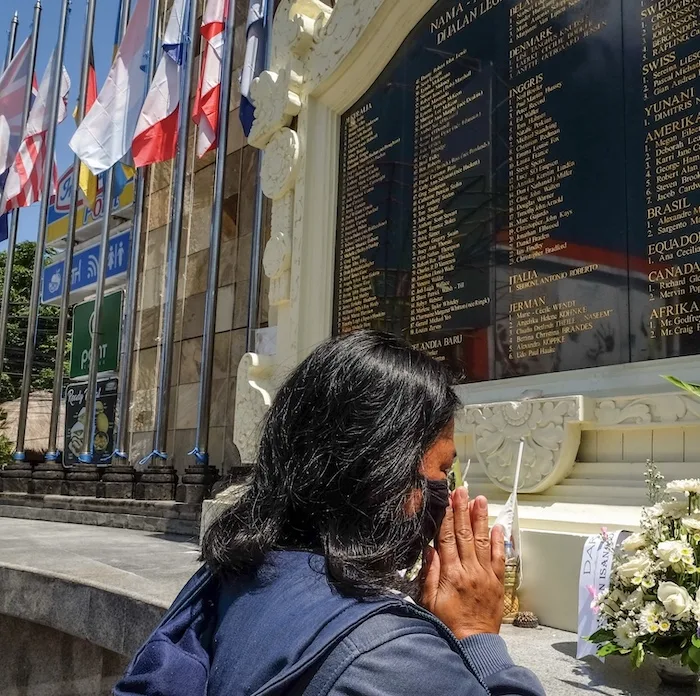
(155, 139)
(206, 104)
(25, 179)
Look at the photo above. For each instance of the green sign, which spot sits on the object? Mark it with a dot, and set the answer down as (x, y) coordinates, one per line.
(110, 333)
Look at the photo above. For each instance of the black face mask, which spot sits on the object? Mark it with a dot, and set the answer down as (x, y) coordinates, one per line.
(437, 499)
(436, 505)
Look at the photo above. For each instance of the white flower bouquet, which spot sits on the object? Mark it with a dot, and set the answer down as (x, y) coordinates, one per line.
(653, 602)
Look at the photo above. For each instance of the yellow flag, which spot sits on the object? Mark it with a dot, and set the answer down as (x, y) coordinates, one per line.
(88, 185)
(87, 180)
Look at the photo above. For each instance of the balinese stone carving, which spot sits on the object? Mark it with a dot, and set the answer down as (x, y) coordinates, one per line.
(337, 38)
(550, 429)
(648, 410)
(280, 164)
(254, 390)
(277, 259)
(277, 102)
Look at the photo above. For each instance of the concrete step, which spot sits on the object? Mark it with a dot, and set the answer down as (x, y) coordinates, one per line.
(167, 517)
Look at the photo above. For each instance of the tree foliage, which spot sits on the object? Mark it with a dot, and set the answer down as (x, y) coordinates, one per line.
(45, 352)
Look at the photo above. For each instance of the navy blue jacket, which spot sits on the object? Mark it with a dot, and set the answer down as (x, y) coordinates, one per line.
(286, 632)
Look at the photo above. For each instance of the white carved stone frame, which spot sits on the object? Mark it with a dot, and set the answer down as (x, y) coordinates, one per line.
(550, 430)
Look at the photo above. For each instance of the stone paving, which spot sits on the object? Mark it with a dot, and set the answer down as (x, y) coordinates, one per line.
(551, 654)
(152, 567)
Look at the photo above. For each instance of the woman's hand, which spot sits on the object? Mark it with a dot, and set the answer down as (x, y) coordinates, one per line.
(464, 576)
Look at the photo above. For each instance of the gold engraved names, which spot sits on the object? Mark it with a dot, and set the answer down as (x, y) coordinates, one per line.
(448, 100)
(537, 205)
(360, 223)
(538, 327)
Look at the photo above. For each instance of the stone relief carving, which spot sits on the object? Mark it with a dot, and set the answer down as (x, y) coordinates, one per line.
(277, 100)
(277, 259)
(648, 410)
(337, 38)
(280, 164)
(254, 390)
(550, 429)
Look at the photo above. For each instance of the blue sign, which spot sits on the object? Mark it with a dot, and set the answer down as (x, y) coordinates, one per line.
(85, 265)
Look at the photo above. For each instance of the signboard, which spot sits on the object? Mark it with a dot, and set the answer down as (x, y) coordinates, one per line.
(110, 333)
(85, 265)
(59, 209)
(75, 431)
(594, 578)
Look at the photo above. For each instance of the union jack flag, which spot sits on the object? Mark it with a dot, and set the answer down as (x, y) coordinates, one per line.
(25, 178)
(12, 86)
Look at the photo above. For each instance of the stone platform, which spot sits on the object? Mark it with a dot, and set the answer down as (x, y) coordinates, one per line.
(145, 515)
(107, 586)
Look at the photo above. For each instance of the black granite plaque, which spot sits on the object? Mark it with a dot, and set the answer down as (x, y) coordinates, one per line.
(520, 189)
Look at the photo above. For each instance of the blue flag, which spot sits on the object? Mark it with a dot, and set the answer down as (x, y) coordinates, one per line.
(3, 218)
(254, 62)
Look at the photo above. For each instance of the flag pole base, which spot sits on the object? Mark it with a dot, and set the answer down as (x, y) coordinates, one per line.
(49, 476)
(117, 481)
(196, 484)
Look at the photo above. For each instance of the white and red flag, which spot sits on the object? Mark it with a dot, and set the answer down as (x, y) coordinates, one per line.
(206, 104)
(25, 178)
(105, 134)
(155, 139)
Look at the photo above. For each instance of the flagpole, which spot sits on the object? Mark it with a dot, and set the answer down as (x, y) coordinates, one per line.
(256, 253)
(85, 456)
(14, 217)
(11, 39)
(129, 324)
(173, 255)
(200, 451)
(52, 454)
(33, 319)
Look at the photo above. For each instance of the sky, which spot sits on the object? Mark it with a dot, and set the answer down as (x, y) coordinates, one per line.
(105, 26)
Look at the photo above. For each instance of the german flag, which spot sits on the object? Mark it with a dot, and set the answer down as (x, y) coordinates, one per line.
(87, 180)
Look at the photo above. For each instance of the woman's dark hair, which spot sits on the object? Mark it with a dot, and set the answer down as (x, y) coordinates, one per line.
(339, 459)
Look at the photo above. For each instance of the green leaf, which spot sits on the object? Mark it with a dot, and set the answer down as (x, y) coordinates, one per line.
(694, 654)
(693, 389)
(666, 647)
(696, 641)
(601, 636)
(637, 655)
(607, 649)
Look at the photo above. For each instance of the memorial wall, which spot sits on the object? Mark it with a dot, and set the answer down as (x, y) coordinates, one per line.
(520, 189)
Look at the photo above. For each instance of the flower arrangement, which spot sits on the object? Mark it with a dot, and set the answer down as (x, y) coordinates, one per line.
(653, 602)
